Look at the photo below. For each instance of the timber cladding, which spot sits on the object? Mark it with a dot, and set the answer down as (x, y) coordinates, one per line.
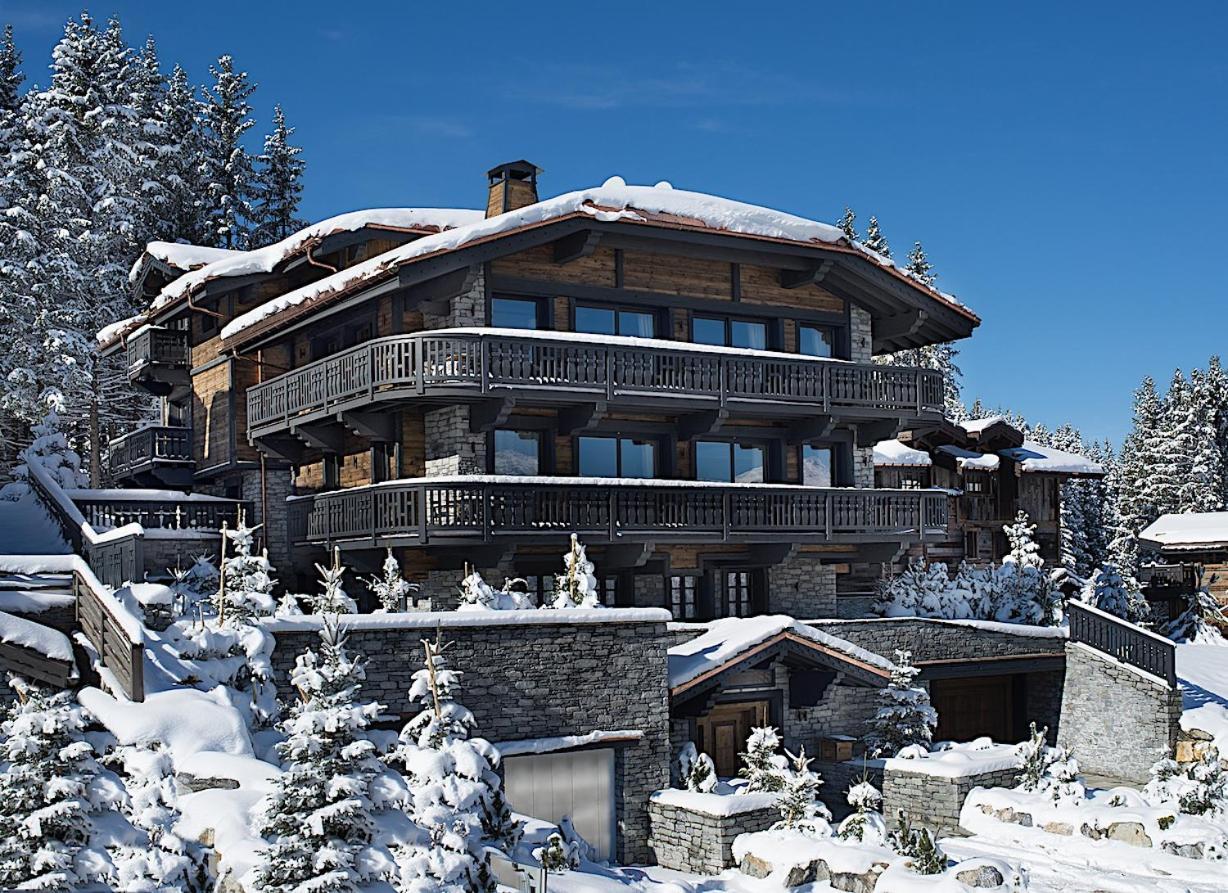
(538, 263)
(211, 414)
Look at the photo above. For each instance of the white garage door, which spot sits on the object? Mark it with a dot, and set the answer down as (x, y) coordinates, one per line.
(580, 784)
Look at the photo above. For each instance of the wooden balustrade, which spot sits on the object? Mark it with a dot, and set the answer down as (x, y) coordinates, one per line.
(1122, 640)
(459, 364)
(460, 512)
(157, 346)
(149, 446)
(186, 514)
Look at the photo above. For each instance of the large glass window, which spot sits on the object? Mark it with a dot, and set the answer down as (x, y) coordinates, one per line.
(514, 313)
(816, 341)
(729, 332)
(706, 330)
(614, 321)
(617, 457)
(732, 462)
(817, 466)
(517, 452)
(747, 334)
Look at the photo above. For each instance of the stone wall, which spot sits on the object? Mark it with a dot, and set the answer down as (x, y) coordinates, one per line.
(451, 448)
(1116, 720)
(939, 640)
(845, 709)
(802, 586)
(468, 309)
(160, 554)
(863, 467)
(696, 842)
(861, 338)
(528, 678)
(935, 801)
(278, 485)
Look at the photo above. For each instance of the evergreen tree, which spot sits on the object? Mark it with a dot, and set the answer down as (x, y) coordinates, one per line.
(696, 770)
(1172, 450)
(762, 765)
(279, 186)
(392, 590)
(227, 166)
(875, 240)
(799, 805)
(924, 855)
(1048, 770)
(1202, 490)
(11, 77)
(919, 266)
(576, 587)
(321, 817)
(1109, 591)
(184, 167)
(904, 716)
(866, 824)
(1197, 788)
(1216, 383)
(333, 599)
(151, 143)
(848, 224)
(247, 580)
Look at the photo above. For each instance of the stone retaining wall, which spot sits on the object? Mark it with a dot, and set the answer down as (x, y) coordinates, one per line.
(938, 639)
(530, 680)
(935, 801)
(1117, 720)
(698, 843)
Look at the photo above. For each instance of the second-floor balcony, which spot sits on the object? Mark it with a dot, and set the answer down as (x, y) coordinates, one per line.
(159, 360)
(486, 509)
(561, 368)
(155, 455)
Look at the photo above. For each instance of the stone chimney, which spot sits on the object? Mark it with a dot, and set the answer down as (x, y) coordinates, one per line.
(512, 185)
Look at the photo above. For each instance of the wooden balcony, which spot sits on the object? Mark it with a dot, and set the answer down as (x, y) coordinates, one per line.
(508, 510)
(155, 455)
(159, 360)
(109, 509)
(560, 368)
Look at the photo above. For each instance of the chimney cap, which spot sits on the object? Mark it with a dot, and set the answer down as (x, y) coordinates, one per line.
(514, 170)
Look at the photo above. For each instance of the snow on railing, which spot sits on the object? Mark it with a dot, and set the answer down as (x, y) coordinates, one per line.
(1133, 645)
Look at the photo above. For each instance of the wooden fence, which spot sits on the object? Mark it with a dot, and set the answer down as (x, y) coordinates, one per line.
(1125, 641)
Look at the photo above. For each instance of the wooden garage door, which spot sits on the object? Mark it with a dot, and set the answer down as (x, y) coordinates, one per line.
(970, 708)
(578, 784)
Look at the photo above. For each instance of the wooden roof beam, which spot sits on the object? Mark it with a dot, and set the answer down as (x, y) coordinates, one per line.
(576, 245)
(905, 324)
(812, 276)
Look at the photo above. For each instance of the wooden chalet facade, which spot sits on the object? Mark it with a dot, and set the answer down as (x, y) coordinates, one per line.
(696, 399)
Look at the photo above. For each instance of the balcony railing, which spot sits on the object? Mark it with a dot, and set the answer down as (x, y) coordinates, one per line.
(479, 510)
(159, 347)
(1125, 641)
(565, 367)
(108, 509)
(147, 448)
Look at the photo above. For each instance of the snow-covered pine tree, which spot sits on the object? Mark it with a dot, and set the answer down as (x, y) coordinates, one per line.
(799, 804)
(332, 599)
(227, 166)
(1131, 480)
(391, 590)
(1173, 451)
(278, 185)
(1109, 591)
(1202, 489)
(919, 266)
(866, 824)
(696, 771)
(11, 80)
(763, 766)
(848, 225)
(875, 240)
(50, 451)
(159, 860)
(247, 579)
(1217, 388)
(321, 819)
(453, 782)
(924, 855)
(576, 587)
(183, 169)
(53, 793)
(151, 144)
(1197, 788)
(904, 716)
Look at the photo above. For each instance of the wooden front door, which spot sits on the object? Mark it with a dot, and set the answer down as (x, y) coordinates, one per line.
(971, 708)
(722, 733)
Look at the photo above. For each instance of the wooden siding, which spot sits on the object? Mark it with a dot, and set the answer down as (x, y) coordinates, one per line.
(538, 263)
(671, 275)
(761, 285)
(211, 417)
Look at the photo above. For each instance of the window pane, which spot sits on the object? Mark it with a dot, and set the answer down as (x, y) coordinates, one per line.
(511, 313)
(635, 324)
(705, 330)
(598, 457)
(682, 597)
(595, 321)
(816, 466)
(638, 456)
(517, 452)
(815, 341)
(748, 334)
(748, 462)
(712, 461)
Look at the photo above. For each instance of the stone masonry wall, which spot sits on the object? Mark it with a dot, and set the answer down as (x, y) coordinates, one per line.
(159, 554)
(698, 843)
(278, 484)
(532, 680)
(468, 309)
(863, 467)
(1117, 720)
(451, 448)
(937, 639)
(861, 338)
(802, 587)
(933, 801)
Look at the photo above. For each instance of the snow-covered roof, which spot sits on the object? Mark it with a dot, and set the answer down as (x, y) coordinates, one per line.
(613, 201)
(727, 640)
(970, 459)
(975, 426)
(1192, 530)
(181, 256)
(1034, 458)
(889, 453)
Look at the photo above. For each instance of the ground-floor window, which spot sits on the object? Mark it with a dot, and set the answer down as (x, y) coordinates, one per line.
(684, 597)
(738, 600)
(578, 784)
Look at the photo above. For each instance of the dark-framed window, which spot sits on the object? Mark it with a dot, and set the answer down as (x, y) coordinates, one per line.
(740, 591)
(616, 457)
(816, 341)
(819, 465)
(730, 331)
(683, 597)
(517, 313)
(730, 461)
(630, 322)
(516, 452)
(341, 336)
(608, 590)
(385, 461)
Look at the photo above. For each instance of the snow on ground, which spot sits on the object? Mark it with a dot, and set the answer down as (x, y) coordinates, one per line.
(1203, 671)
(187, 721)
(950, 759)
(26, 527)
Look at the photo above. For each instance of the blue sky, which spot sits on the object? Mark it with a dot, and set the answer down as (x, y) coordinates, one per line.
(1064, 164)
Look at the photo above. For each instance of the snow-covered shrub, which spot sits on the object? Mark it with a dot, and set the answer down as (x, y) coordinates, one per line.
(193, 585)
(904, 716)
(576, 587)
(1202, 621)
(800, 809)
(866, 823)
(159, 860)
(696, 771)
(763, 767)
(920, 590)
(556, 856)
(924, 855)
(332, 598)
(1197, 788)
(51, 452)
(1109, 591)
(453, 782)
(247, 580)
(321, 818)
(478, 595)
(55, 798)
(392, 590)
(1048, 770)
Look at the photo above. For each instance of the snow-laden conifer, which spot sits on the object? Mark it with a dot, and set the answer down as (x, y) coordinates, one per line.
(227, 165)
(919, 266)
(1109, 591)
(763, 766)
(478, 595)
(866, 823)
(904, 716)
(696, 771)
(332, 598)
(848, 225)
(875, 240)
(576, 587)
(391, 590)
(278, 185)
(1199, 787)
(1051, 771)
(799, 804)
(247, 578)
